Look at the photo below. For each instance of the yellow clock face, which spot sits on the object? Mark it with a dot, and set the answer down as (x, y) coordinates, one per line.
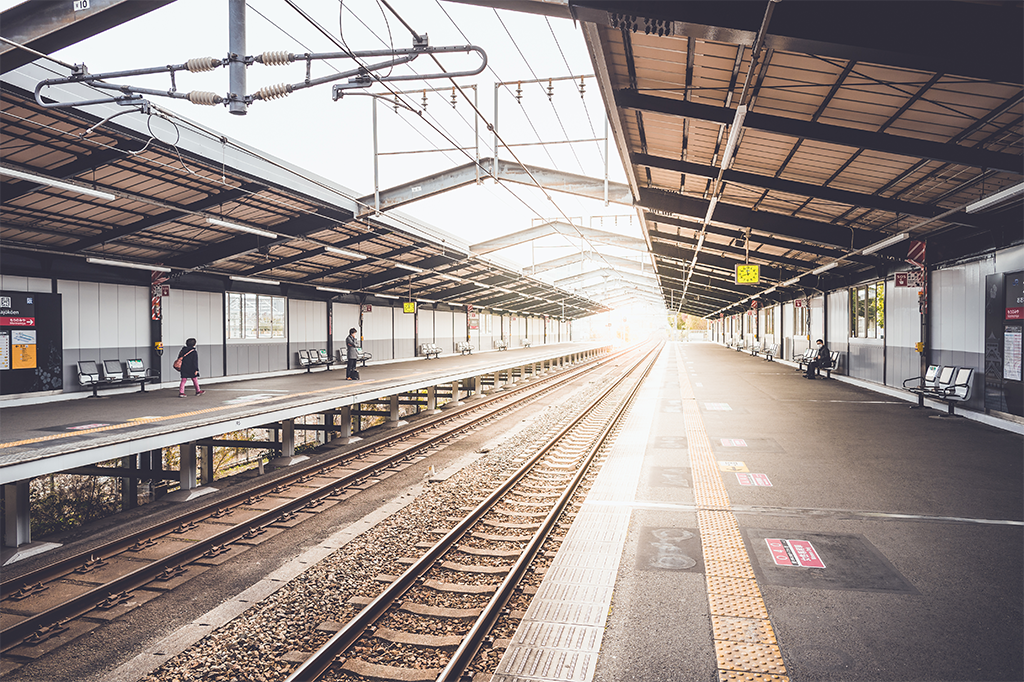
(748, 274)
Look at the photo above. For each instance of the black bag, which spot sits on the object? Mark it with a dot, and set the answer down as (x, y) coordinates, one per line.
(353, 374)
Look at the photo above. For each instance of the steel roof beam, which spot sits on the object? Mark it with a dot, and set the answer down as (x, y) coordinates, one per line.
(149, 222)
(247, 243)
(562, 228)
(822, 132)
(467, 174)
(583, 257)
(804, 189)
(48, 26)
(813, 231)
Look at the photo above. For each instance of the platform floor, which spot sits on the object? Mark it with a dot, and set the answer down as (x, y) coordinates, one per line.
(750, 524)
(71, 432)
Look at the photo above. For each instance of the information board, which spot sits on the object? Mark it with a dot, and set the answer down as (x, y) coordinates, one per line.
(1014, 296)
(1012, 337)
(31, 342)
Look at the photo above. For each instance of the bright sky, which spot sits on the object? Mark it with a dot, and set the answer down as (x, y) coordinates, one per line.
(334, 139)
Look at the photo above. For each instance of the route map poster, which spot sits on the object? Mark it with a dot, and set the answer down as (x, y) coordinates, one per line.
(31, 350)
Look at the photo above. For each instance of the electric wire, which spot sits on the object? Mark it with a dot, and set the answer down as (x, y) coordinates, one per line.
(586, 109)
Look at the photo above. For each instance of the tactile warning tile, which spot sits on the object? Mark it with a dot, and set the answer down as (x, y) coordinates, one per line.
(738, 606)
(722, 552)
(750, 630)
(745, 643)
(722, 585)
(760, 658)
(737, 676)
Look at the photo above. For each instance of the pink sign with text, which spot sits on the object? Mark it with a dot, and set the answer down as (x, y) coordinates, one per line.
(794, 553)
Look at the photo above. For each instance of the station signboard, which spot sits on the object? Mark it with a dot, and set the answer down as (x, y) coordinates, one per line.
(31, 342)
(748, 274)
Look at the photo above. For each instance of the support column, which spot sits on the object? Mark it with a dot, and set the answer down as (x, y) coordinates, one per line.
(346, 437)
(187, 466)
(288, 438)
(17, 514)
(206, 464)
(478, 386)
(431, 399)
(393, 417)
(130, 484)
(455, 401)
(497, 381)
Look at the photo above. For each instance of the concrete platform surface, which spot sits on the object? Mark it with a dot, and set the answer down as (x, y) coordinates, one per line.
(762, 526)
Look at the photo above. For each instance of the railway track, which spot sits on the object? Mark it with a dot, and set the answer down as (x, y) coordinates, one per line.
(45, 603)
(483, 560)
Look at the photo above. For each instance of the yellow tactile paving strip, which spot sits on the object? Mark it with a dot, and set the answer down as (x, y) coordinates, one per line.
(745, 644)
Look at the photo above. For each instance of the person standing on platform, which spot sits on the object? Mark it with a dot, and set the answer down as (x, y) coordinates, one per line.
(352, 354)
(188, 368)
(822, 358)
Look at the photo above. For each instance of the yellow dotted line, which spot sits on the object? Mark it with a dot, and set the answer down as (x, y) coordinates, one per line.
(180, 415)
(745, 644)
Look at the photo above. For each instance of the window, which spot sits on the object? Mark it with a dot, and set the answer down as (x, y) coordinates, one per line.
(800, 319)
(867, 311)
(769, 320)
(252, 316)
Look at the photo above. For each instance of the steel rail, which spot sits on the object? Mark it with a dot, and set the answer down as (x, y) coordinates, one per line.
(474, 639)
(321, 660)
(76, 606)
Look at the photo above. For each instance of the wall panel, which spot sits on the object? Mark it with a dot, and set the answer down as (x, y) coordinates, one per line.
(405, 333)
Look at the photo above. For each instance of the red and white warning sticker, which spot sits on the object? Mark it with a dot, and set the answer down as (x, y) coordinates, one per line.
(754, 479)
(794, 553)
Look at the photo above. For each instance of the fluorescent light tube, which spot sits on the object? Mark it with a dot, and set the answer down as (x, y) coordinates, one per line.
(385, 296)
(342, 252)
(43, 180)
(734, 135)
(408, 267)
(790, 282)
(334, 291)
(991, 200)
(710, 212)
(254, 280)
(241, 228)
(885, 243)
(122, 264)
(823, 268)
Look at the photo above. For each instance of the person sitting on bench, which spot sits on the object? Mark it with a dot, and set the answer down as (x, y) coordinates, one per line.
(822, 358)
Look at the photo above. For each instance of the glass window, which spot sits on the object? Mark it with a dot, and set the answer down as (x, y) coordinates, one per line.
(278, 321)
(870, 315)
(234, 316)
(250, 316)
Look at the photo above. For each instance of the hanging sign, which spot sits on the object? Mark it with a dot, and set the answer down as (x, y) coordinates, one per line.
(748, 274)
(409, 307)
(366, 308)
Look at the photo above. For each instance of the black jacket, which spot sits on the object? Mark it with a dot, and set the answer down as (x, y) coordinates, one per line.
(823, 355)
(189, 363)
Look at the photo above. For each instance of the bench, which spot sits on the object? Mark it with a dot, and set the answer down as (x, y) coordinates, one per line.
(950, 385)
(111, 373)
(464, 347)
(501, 344)
(526, 343)
(833, 362)
(363, 356)
(769, 352)
(757, 350)
(315, 357)
(429, 349)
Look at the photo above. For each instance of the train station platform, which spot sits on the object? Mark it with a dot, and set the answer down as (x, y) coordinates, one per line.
(752, 525)
(74, 432)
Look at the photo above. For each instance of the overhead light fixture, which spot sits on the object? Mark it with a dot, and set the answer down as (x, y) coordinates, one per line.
(992, 200)
(67, 186)
(384, 296)
(408, 267)
(769, 290)
(254, 280)
(734, 136)
(342, 252)
(885, 243)
(334, 291)
(241, 228)
(707, 216)
(123, 264)
(823, 268)
(790, 282)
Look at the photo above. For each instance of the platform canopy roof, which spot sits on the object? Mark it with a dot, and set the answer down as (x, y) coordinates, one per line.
(110, 183)
(800, 136)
